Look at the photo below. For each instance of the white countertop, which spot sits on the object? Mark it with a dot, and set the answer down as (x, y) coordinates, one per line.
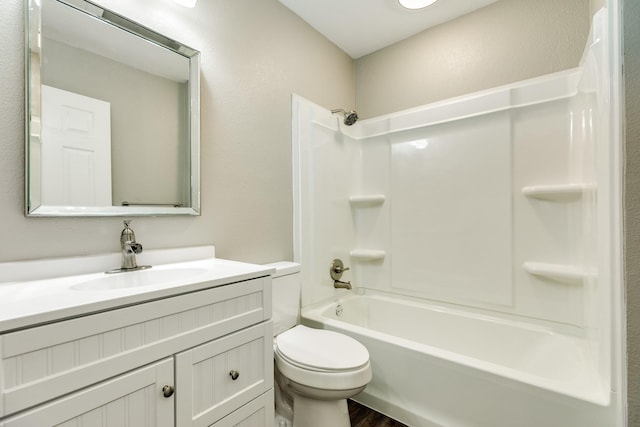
(40, 299)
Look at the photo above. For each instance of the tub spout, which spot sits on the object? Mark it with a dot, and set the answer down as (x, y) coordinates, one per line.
(341, 285)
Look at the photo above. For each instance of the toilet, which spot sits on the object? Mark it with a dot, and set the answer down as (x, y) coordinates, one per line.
(316, 370)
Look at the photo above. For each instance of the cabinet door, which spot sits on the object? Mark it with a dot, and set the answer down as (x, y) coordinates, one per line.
(133, 399)
(257, 413)
(218, 377)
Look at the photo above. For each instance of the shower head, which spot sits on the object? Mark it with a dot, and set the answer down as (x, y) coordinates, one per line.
(350, 117)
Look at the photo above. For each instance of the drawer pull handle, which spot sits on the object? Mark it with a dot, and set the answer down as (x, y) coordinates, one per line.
(234, 374)
(167, 391)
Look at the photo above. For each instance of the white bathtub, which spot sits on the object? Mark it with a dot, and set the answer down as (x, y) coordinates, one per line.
(436, 366)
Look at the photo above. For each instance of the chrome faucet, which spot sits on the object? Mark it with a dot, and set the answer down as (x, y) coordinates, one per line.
(336, 270)
(129, 248)
(338, 284)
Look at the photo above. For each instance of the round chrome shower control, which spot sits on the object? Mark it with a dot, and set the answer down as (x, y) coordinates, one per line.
(337, 269)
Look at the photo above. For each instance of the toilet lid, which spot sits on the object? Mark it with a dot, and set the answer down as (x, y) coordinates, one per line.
(321, 349)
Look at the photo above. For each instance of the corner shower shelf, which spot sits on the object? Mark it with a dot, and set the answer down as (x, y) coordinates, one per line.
(362, 201)
(559, 192)
(367, 254)
(557, 272)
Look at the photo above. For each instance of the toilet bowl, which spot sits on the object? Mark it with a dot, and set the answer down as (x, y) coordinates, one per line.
(316, 370)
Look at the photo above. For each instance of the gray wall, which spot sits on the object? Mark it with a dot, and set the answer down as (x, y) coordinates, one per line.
(255, 53)
(505, 42)
(632, 203)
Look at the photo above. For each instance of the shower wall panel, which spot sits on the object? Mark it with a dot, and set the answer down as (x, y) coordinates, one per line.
(455, 226)
(326, 172)
(473, 201)
(451, 211)
(484, 201)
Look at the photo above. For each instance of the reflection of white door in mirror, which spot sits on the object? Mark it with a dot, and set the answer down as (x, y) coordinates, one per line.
(76, 149)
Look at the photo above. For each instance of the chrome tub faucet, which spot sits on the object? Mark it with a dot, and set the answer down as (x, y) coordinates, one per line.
(336, 270)
(338, 284)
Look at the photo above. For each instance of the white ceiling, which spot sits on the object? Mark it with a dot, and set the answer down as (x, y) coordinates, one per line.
(360, 27)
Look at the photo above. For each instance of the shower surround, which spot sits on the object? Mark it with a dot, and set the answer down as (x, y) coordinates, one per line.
(502, 205)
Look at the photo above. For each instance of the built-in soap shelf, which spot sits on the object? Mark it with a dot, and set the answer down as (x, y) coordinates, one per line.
(558, 272)
(558, 192)
(368, 200)
(364, 201)
(367, 254)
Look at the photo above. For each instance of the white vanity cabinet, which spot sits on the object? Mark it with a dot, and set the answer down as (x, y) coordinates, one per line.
(213, 347)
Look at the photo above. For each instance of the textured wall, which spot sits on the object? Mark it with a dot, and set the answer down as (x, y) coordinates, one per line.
(505, 42)
(255, 53)
(632, 203)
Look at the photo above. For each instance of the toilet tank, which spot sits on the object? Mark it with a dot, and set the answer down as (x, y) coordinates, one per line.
(285, 295)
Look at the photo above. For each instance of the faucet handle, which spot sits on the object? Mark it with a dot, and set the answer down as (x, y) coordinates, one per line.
(339, 269)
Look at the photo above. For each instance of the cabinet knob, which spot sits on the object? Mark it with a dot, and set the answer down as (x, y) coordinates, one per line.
(234, 374)
(167, 391)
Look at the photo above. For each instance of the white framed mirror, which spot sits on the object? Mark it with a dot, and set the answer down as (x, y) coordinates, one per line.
(112, 115)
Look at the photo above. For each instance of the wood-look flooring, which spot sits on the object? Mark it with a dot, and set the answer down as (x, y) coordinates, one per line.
(361, 416)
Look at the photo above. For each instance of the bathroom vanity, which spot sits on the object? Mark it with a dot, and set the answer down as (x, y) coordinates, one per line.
(185, 343)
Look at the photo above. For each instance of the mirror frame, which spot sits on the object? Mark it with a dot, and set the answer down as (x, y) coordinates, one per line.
(32, 30)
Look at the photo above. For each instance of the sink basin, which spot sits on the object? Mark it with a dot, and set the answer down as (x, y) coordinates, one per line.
(141, 278)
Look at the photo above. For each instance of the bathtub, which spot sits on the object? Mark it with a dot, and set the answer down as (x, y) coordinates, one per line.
(438, 366)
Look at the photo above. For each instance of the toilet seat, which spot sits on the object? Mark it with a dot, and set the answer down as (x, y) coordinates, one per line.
(322, 359)
(321, 350)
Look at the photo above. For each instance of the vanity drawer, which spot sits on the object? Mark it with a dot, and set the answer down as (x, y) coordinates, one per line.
(257, 413)
(41, 363)
(216, 378)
